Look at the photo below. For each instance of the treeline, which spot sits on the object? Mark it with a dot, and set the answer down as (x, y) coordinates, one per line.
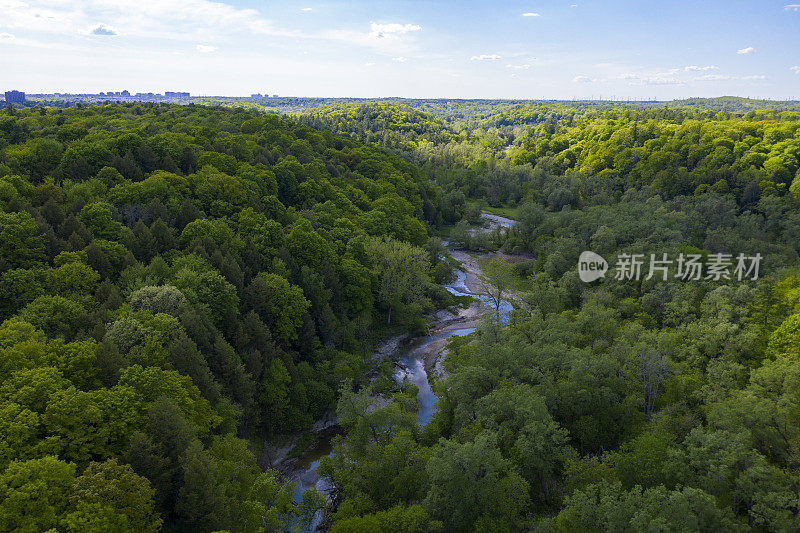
(671, 150)
(674, 151)
(175, 278)
(387, 124)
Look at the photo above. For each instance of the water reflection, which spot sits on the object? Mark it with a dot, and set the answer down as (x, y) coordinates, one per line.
(412, 364)
(412, 368)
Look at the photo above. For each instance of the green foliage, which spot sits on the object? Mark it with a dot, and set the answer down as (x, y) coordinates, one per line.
(162, 299)
(118, 487)
(607, 507)
(398, 519)
(55, 315)
(98, 219)
(473, 487)
(45, 495)
(401, 271)
(279, 304)
(33, 494)
(172, 276)
(21, 245)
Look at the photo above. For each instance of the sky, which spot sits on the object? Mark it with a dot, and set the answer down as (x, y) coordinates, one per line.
(533, 49)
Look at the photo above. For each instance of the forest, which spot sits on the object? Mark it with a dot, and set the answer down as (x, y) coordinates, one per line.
(183, 287)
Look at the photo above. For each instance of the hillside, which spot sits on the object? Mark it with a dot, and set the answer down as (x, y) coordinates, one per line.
(175, 277)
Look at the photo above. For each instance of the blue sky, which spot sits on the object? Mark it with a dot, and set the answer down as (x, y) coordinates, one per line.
(425, 49)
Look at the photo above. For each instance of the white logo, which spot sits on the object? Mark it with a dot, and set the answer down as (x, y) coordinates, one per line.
(591, 266)
(696, 267)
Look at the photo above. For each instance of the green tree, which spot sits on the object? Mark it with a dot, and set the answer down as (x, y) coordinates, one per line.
(607, 507)
(33, 494)
(495, 282)
(280, 304)
(118, 487)
(471, 485)
(55, 315)
(159, 299)
(21, 243)
(19, 287)
(398, 519)
(98, 218)
(402, 272)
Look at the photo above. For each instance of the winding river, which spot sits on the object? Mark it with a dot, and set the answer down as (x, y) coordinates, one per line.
(412, 367)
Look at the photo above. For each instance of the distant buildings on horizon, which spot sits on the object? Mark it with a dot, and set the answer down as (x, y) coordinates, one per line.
(15, 97)
(127, 94)
(18, 97)
(112, 93)
(115, 96)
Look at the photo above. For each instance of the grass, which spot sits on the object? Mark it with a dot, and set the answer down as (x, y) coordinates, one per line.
(508, 212)
(505, 211)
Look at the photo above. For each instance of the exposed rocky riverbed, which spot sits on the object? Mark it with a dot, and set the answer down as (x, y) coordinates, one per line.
(418, 359)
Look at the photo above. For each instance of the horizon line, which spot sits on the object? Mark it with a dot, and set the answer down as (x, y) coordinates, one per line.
(396, 97)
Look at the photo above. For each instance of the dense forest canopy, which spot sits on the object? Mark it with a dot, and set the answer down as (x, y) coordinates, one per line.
(620, 405)
(182, 282)
(175, 276)
(394, 123)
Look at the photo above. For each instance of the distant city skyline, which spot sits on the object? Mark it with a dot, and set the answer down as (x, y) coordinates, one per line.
(573, 49)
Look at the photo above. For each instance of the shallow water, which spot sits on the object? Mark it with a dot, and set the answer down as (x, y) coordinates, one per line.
(412, 368)
(503, 222)
(459, 288)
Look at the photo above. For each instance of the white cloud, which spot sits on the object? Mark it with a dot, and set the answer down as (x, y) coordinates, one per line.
(660, 80)
(712, 77)
(205, 49)
(102, 29)
(519, 67)
(573, 5)
(792, 7)
(181, 20)
(531, 14)
(16, 14)
(400, 59)
(748, 50)
(185, 22)
(306, 9)
(176, 19)
(724, 77)
(6, 36)
(583, 79)
(390, 39)
(391, 30)
(795, 69)
(485, 57)
(695, 68)
(663, 78)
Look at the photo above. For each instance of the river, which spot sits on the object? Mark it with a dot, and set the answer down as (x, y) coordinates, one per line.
(416, 358)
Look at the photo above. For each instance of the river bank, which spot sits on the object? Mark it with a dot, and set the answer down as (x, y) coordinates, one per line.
(418, 359)
(428, 348)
